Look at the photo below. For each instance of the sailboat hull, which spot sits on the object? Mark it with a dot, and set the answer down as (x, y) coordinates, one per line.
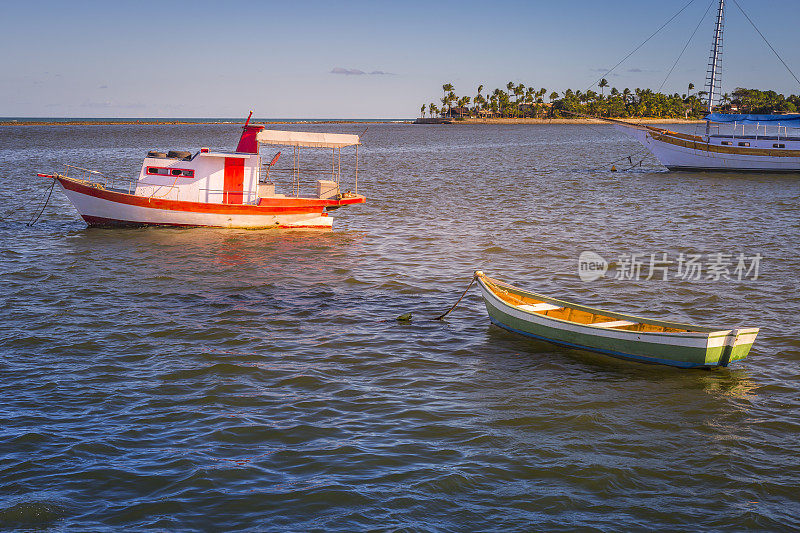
(688, 152)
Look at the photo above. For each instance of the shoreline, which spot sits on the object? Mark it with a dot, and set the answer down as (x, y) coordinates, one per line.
(544, 121)
(183, 122)
(466, 121)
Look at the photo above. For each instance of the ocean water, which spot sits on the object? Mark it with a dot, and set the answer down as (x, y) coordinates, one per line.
(206, 379)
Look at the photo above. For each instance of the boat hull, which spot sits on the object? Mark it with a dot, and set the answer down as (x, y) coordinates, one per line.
(102, 207)
(677, 153)
(692, 350)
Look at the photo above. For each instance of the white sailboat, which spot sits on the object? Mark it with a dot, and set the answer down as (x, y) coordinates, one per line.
(753, 142)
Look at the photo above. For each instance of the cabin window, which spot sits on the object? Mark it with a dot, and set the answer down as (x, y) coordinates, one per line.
(158, 171)
(744, 144)
(177, 172)
(727, 143)
(779, 145)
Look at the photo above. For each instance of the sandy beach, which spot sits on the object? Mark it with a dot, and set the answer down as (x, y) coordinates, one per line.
(35, 122)
(541, 121)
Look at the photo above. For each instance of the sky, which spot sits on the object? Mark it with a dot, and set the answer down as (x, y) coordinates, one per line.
(372, 59)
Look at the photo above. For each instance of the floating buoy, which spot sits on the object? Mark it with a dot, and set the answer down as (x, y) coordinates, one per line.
(613, 168)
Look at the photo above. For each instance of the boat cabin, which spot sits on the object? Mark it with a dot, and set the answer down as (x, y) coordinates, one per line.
(766, 132)
(240, 176)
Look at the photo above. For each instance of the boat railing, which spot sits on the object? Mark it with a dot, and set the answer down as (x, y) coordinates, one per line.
(757, 131)
(296, 184)
(95, 177)
(226, 195)
(778, 130)
(295, 176)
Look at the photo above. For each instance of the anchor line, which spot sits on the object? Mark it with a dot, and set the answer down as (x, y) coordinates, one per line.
(440, 317)
(5, 216)
(36, 218)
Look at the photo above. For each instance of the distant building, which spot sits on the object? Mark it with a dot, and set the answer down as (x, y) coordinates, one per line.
(462, 111)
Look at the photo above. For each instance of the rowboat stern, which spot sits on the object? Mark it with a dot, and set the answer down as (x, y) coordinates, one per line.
(738, 344)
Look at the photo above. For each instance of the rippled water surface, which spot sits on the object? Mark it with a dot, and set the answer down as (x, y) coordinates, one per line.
(203, 379)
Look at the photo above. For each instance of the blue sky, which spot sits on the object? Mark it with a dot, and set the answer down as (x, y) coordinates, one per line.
(359, 59)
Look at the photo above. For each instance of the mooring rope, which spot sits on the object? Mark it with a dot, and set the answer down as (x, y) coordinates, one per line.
(36, 218)
(14, 210)
(440, 317)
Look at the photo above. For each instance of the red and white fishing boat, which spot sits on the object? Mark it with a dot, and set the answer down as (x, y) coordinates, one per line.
(217, 189)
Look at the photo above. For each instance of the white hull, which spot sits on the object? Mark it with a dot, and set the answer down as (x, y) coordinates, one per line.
(676, 157)
(107, 212)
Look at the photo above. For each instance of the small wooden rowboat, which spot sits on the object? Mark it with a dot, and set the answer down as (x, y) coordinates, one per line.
(615, 334)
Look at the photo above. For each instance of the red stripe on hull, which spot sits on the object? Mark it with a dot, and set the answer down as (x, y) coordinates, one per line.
(266, 206)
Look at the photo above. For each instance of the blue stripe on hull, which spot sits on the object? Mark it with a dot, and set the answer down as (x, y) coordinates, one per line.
(619, 355)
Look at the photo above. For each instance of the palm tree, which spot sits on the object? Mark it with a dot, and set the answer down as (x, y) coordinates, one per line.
(478, 98)
(519, 90)
(451, 99)
(553, 96)
(422, 111)
(480, 104)
(462, 103)
(433, 109)
(505, 103)
(603, 84)
(689, 92)
(446, 88)
(530, 97)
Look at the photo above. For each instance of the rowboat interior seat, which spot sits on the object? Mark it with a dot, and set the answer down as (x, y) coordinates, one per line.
(537, 308)
(614, 324)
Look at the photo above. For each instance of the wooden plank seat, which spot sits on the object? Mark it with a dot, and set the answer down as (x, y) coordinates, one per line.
(613, 324)
(536, 308)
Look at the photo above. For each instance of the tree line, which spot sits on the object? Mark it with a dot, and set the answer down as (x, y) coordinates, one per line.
(520, 101)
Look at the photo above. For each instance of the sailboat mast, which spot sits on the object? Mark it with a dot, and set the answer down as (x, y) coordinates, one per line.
(713, 83)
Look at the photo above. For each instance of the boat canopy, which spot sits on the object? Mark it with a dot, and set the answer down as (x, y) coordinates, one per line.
(784, 120)
(307, 139)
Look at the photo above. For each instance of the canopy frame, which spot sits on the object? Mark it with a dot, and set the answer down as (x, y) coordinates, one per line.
(307, 139)
(298, 140)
